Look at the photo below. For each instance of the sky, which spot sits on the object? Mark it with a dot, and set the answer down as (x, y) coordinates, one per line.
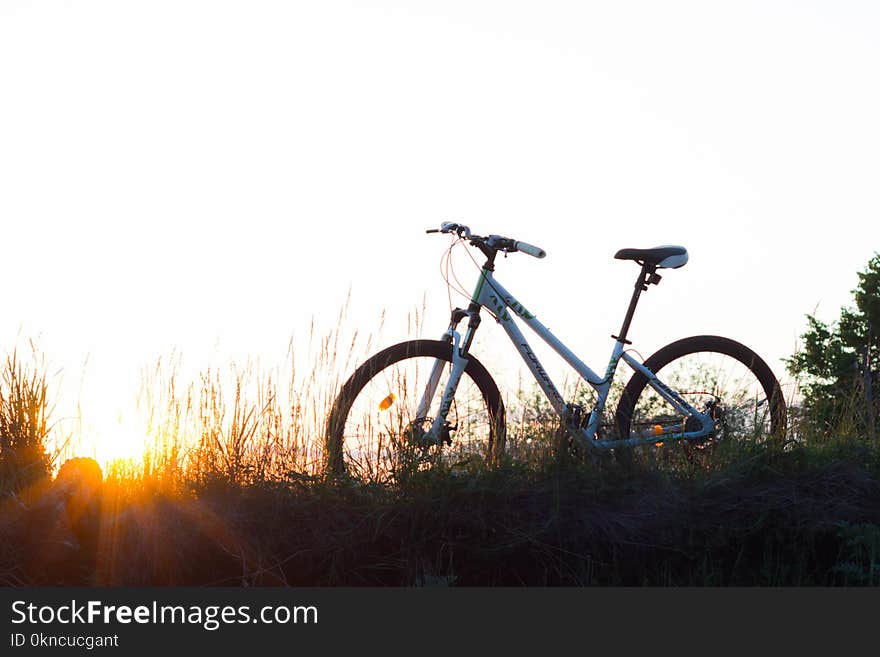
(209, 178)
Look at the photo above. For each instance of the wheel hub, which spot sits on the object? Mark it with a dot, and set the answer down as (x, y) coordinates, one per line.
(418, 433)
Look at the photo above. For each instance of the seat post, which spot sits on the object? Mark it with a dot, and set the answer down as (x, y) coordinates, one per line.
(647, 276)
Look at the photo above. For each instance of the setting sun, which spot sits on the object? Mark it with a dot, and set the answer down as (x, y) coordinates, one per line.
(123, 437)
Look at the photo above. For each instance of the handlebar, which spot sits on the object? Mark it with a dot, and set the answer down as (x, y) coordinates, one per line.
(491, 242)
(534, 251)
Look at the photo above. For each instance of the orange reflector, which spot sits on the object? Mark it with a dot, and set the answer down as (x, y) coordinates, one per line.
(385, 404)
(658, 430)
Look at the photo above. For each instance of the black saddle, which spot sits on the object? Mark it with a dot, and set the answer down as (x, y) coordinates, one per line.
(663, 257)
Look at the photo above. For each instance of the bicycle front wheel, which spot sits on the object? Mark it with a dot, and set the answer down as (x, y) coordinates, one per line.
(380, 417)
(712, 374)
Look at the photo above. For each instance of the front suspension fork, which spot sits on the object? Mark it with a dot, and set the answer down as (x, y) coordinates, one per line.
(440, 426)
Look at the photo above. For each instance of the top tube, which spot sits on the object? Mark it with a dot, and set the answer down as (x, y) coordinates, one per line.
(493, 296)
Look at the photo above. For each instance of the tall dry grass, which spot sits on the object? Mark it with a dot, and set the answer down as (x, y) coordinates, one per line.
(26, 421)
(246, 423)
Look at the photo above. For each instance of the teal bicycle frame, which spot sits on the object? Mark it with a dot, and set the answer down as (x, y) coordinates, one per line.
(490, 294)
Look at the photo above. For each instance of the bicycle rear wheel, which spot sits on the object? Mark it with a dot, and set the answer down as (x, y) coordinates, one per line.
(712, 374)
(375, 426)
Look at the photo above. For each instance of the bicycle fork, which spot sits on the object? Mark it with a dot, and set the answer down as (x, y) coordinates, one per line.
(440, 428)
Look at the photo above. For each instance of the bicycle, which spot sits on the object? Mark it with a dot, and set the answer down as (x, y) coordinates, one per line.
(390, 404)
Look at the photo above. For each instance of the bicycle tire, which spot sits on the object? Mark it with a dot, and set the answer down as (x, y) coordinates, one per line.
(336, 459)
(775, 416)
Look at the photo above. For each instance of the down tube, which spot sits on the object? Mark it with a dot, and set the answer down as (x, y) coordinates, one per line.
(537, 370)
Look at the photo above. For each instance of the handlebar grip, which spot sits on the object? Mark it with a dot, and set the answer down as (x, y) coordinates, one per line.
(533, 251)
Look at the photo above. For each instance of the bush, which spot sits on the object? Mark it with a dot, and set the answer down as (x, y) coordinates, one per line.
(838, 364)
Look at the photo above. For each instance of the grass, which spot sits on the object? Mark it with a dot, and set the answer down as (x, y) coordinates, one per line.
(800, 517)
(25, 424)
(232, 492)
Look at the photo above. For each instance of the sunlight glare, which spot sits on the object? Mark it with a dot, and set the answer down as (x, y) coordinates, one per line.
(114, 437)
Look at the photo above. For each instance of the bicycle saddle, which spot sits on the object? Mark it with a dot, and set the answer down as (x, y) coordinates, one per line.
(664, 257)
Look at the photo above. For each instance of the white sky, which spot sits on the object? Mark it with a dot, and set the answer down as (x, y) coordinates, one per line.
(210, 176)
